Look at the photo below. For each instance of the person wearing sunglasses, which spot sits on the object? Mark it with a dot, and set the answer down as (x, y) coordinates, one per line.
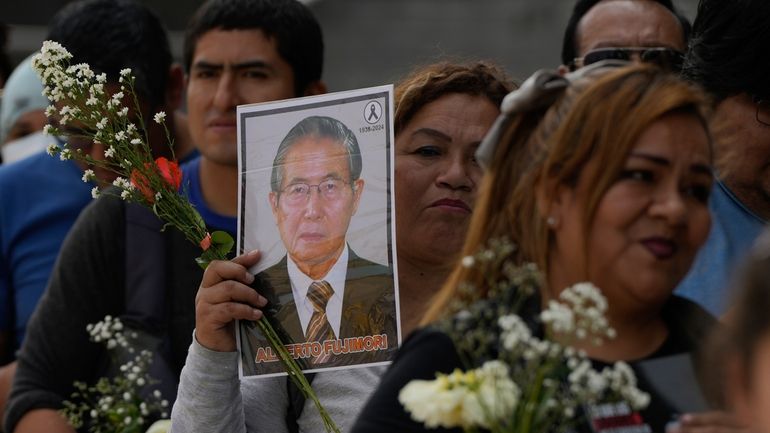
(650, 31)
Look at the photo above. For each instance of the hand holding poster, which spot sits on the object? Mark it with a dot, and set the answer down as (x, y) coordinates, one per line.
(316, 197)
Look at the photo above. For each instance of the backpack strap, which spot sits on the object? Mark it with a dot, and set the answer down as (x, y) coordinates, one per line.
(146, 292)
(296, 403)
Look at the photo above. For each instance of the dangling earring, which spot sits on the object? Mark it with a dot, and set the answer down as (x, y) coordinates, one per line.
(551, 221)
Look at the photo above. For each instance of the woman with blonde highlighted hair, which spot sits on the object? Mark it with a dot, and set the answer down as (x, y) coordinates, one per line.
(602, 176)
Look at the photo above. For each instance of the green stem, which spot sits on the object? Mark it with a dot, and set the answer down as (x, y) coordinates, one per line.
(295, 373)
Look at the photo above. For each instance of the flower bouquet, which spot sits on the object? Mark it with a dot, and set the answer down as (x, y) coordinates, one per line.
(116, 404)
(525, 383)
(81, 99)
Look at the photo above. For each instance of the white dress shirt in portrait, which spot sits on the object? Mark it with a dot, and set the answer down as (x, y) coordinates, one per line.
(300, 283)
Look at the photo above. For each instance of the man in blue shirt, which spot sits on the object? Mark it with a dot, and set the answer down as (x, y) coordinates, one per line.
(723, 59)
(236, 52)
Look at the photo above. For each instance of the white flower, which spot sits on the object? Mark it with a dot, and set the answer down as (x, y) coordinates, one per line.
(94, 413)
(91, 101)
(123, 112)
(514, 331)
(127, 420)
(158, 196)
(65, 155)
(467, 261)
(95, 192)
(52, 149)
(127, 396)
(101, 78)
(88, 175)
(101, 124)
(125, 72)
(160, 117)
(48, 129)
(136, 141)
(110, 152)
(50, 111)
(160, 426)
(463, 399)
(432, 403)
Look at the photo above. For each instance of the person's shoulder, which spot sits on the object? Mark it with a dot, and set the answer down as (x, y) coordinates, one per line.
(688, 320)
(361, 267)
(29, 168)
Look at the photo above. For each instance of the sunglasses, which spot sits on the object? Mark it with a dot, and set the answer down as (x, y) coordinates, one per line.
(666, 58)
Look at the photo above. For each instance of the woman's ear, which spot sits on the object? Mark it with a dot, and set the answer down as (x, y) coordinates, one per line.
(551, 198)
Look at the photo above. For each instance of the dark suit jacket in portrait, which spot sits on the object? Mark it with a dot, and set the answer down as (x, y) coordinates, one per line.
(368, 308)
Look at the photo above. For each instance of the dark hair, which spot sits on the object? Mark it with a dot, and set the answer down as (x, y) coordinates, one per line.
(569, 46)
(428, 83)
(111, 35)
(296, 32)
(727, 39)
(317, 127)
(5, 63)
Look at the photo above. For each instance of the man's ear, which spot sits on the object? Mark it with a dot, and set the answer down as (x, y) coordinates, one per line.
(175, 87)
(358, 189)
(273, 197)
(315, 88)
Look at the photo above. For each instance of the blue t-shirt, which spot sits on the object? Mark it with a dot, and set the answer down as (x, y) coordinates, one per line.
(734, 228)
(191, 183)
(41, 198)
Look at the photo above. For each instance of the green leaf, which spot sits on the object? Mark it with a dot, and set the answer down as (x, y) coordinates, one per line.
(222, 242)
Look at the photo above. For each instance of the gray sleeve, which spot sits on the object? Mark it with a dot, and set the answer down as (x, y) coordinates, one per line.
(209, 395)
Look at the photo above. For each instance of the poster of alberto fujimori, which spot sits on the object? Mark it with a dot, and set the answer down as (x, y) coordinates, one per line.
(316, 196)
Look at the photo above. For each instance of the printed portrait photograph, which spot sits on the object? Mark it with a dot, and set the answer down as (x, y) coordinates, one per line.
(316, 200)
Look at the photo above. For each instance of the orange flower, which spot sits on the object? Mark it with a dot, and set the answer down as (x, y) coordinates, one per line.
(206, 242)
(169, 171)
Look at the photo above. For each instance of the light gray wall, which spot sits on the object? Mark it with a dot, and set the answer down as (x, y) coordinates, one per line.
(372, 42)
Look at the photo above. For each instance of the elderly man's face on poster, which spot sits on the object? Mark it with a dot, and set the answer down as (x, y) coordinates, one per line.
(315, 201)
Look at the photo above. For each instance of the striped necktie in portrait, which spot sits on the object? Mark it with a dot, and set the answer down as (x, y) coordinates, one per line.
(319, 328)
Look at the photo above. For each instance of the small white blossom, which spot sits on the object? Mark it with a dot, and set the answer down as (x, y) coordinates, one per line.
(65, 154)
(102, 123)
(95, 192)
(88, 175)
(136, 141)
(123, 112)
(467, 261)
(101, 78)
(110, 152)
(160, 117)
(48, 129)
(125, 72)
(52, 149)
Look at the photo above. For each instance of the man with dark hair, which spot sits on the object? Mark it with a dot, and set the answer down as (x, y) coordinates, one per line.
(724, 59)
(147, 278)
(641, 30)
(42, 196)
(314, 287)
